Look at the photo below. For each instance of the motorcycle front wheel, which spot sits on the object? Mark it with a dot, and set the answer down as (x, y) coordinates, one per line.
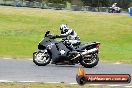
(41, 58)
(91, 61)
(109, 11)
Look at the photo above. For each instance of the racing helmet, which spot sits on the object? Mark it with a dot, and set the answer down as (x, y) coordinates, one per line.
(64, 27)
(115, 3)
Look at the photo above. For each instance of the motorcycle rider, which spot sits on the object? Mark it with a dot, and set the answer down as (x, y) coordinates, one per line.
(71, 36)
(114, 7)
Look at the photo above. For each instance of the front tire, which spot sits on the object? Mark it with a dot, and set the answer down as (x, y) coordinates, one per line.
(109, 11)
(91, 61)
(41, 58)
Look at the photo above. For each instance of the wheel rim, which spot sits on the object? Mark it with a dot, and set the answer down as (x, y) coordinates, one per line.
(42, 57)
(90, 60)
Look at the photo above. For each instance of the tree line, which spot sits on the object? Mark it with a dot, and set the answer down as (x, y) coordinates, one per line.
(107, 3)
(93, 3)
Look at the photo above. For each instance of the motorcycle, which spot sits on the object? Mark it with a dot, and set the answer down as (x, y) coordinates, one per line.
(116, 10)
(58, 51)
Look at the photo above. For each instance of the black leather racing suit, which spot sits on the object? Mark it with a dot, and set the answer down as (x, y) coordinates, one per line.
(70, 36)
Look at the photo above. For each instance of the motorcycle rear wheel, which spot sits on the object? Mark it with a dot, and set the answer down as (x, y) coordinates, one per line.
(89, 62)
(41, 58)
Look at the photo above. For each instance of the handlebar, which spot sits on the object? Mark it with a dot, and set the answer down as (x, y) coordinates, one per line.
(51, 36)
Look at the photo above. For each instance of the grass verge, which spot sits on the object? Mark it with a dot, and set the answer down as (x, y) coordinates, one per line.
(22, 28)
(46, 85)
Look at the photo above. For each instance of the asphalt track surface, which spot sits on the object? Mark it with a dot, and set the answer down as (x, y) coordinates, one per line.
(18, 70)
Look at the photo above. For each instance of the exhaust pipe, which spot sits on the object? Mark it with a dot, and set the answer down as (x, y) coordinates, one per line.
(86, 52)
(89, 51)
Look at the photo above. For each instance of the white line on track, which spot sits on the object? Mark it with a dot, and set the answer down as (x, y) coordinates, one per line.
(52, 82)
(6, 81)
(7, 58)
(73, 83)
(114, 85)
(128, 86)
(27, 81)
(30, 59)
(117, 63)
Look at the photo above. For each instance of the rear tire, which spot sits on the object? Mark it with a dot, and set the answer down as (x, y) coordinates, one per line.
(41, 58)
(89, 62)
(119, 11)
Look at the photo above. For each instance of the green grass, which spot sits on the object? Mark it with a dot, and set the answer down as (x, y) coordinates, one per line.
(46, 85)
(22, 28)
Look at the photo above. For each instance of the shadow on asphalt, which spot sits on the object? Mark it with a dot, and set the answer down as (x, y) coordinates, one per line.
(53, 65)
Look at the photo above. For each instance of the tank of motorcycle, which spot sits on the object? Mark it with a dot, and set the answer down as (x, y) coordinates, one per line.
(56, 48)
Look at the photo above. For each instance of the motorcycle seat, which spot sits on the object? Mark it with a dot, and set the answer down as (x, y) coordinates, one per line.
(83, 46)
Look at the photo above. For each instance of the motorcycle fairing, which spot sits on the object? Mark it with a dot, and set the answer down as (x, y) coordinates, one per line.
(57, 49)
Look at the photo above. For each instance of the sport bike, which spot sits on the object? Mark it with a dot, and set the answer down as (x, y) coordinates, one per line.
(116, 10)
(50, 49)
